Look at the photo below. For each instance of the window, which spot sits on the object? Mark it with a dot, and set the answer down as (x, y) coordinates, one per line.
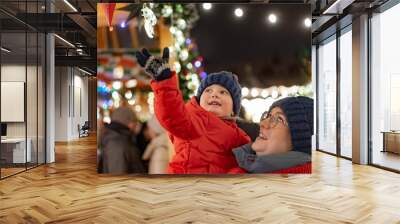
(327, 96)
(385, 88)
(346, 93)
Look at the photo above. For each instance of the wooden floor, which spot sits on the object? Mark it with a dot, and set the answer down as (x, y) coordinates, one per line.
(10, 171)
(70, 191)
(5, 172)
(388, 159)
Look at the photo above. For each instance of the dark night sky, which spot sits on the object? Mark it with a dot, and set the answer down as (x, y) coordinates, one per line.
(260, 53)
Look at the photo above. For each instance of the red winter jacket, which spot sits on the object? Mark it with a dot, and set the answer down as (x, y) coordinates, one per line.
(203, 142)
(300, 169)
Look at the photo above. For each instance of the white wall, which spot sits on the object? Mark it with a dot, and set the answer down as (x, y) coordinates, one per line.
(71, 102)
(33, 127)
(16, 73)
(61, 103)
(12, 73)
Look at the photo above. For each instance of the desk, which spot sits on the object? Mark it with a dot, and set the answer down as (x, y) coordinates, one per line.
(13, 150)
(391, 141)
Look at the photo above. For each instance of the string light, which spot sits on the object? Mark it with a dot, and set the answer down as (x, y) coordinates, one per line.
(264, 93)
(138, 108)
(128, 95)
(131, 102)
(131, 83)
(172, 29)
(238, 12)
(274, 94)
(171, 49)
(207, 6)
(107, 119)
(184, 55)
(177, 66)
(123, 25)
(180, 39)
(167, 11)
(203, 75)
(116, 85)
(197, 64)
(272, 18)
(110, 103)
(119, 72)
(284, 93)
(255, 105)
(181, 24)
(115, 95)
(245, 91)
(254, 92)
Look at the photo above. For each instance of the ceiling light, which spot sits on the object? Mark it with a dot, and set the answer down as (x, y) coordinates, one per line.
(86, 72)
(64, 40)
(5, 49)
(307, 22)
(70, 5)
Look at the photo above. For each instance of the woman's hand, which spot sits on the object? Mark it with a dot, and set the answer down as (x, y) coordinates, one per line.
(156, 67)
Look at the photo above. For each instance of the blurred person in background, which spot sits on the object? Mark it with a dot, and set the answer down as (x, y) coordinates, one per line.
(158, 150)
(143, 137)
(119, 152)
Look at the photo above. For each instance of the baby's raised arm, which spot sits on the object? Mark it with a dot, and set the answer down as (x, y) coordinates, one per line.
(168, 101)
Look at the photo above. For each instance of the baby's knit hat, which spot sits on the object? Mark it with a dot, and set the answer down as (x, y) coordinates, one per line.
(229, 81)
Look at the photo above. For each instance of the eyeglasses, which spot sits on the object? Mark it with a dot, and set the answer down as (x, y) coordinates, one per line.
(273, 119)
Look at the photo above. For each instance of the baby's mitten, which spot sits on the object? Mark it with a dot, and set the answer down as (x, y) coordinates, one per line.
(156, 67)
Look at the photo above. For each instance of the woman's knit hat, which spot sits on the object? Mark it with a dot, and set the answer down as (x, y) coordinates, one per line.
(229, 81)
(299, 112)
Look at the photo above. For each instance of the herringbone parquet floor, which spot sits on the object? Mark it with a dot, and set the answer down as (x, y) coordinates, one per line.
(70, 191)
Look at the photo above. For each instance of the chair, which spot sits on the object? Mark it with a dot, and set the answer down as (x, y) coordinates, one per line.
(84, 130)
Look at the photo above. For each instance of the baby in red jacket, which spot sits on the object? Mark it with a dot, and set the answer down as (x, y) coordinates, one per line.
(203, 130)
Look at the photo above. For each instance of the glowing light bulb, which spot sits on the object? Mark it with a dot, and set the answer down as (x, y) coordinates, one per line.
(245, 91)
(272, 18)
(307, 22)
(207, 6)
(238, 12)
